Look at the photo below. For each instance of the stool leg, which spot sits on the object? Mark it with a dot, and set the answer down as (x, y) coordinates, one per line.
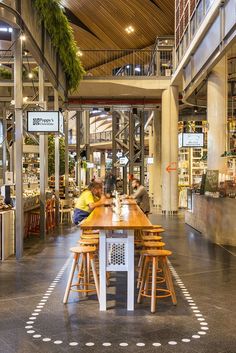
(68, 286)
(153, 297)
(169, 281)
(80, 268)
(145, 269)
(95, 276)
(141, 260)
(85, 274)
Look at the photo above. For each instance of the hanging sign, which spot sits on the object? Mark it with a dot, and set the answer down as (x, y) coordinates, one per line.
(123, 161)
(45, 121)
(191, 139)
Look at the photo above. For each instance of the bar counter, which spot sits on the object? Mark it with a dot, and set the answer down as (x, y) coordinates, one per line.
(215, 218)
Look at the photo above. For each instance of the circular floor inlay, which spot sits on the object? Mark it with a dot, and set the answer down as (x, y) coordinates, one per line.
(57, 342)
(29, 326)
(73, 344)
(205, 328)
(186, 340)
(30, 322)
(140, 344)
(196, 311)
(157, 344)
(123, 344)
(89, 344)
(36, 336)
(32, 318)
(37, 310)
(195, 336)
(106, 344)
(198, 315)
(35, 314)
(31, 331)
(201, 319)
(46, 339)
(172, 343)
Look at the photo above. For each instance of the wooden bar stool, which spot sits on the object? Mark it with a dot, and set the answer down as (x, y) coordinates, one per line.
(153, 231)
(89, 236)
(83, 263)
(147, 245)
(156, 258)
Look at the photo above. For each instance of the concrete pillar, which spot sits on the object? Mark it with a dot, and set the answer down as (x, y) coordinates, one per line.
(157, 159)
(66, 118)
(18, 97)
(103, 164)
(169, 150)
(217, 99)
(150, 166)
(57, 163)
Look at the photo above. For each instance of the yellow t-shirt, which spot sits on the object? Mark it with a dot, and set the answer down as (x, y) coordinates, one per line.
(84, 200)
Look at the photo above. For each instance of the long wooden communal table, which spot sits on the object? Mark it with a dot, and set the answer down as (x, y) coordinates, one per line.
(116, 245)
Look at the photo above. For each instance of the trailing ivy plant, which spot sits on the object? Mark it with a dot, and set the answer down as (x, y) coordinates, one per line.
(60, 31)
(5, 73)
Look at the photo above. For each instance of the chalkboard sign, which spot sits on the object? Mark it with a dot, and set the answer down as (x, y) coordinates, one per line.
(212, 181)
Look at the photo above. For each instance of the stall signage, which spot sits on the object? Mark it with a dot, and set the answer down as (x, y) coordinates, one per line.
(191, 139)
(45, 121)
(123, 161)
(119, 154)
(150, 160)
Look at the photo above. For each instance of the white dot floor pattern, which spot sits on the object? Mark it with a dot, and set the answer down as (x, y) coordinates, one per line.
(41, 305)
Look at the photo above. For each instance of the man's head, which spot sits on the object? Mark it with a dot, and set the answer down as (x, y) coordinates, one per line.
(95, 188)
(135, 183)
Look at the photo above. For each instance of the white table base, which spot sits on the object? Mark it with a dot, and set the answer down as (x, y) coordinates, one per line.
(116, 254)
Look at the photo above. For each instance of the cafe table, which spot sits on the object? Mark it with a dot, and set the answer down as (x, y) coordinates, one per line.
(116, 243)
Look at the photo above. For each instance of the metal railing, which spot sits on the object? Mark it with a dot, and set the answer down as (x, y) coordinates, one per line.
(105, 136)
(128, 62)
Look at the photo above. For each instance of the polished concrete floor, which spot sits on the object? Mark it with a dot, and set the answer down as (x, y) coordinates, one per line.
(33, 318)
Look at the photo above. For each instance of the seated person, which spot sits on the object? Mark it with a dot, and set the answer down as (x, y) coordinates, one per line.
(141, 196)
(89, 199)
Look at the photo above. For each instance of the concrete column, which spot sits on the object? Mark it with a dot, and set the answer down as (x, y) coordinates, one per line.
(57, 162)
(18, 97)
(4, 145)
(157, 159)
(169, 150)
(217, 98)
(42, 143)
(103, 164)
(66, 116)
(78, 143)
(150, 167)
(86, 129)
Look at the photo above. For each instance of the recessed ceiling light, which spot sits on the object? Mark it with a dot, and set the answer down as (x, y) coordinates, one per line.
(129, 29)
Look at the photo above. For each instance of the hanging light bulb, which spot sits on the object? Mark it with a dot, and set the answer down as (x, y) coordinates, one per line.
(30, 75)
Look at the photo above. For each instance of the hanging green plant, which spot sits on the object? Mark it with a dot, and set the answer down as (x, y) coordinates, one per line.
(60, 31)
(5, 73)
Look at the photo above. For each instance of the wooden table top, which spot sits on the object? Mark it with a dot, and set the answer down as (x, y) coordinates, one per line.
(102, 218)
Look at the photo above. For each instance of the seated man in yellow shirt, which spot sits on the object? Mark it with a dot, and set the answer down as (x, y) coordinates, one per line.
(89, 199)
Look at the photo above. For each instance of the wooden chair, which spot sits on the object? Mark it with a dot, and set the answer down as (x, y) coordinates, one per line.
(157, 259)
(66, 210)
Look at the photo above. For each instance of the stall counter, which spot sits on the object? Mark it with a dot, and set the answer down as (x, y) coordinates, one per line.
(215, 218)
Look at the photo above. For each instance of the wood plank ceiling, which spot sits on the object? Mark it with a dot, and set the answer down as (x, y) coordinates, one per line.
(101, 24)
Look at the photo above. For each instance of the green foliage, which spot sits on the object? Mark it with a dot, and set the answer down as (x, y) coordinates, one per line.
(30, 141)
(5, 73)
(61, 34)
(51, 155)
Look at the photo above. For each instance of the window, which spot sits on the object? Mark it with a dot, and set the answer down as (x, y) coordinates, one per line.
(199, 13)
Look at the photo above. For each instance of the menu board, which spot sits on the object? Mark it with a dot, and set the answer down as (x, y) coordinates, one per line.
(191, 139)
(212, 181)
(45, 121)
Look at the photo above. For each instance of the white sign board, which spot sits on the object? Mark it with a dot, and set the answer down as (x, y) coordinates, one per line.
(191, 139)
(9, 178)
(150, 160)
(45, 121)
(123, 161)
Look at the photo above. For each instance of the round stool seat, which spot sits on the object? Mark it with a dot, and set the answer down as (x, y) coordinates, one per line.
(153, 244)
(83, 249)
(90, 231)
(151, 237)
(156, 226)
(89, 236)
(154, 231)
(88, 241)
(156, 252)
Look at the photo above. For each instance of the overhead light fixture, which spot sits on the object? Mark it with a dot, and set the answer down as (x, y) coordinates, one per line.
(127, 66)
(129, 29)
(25, 99)
(195, 110)
(23, 37)
(137, 69)
(12, 102)
(30, 75)
(79, 53)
